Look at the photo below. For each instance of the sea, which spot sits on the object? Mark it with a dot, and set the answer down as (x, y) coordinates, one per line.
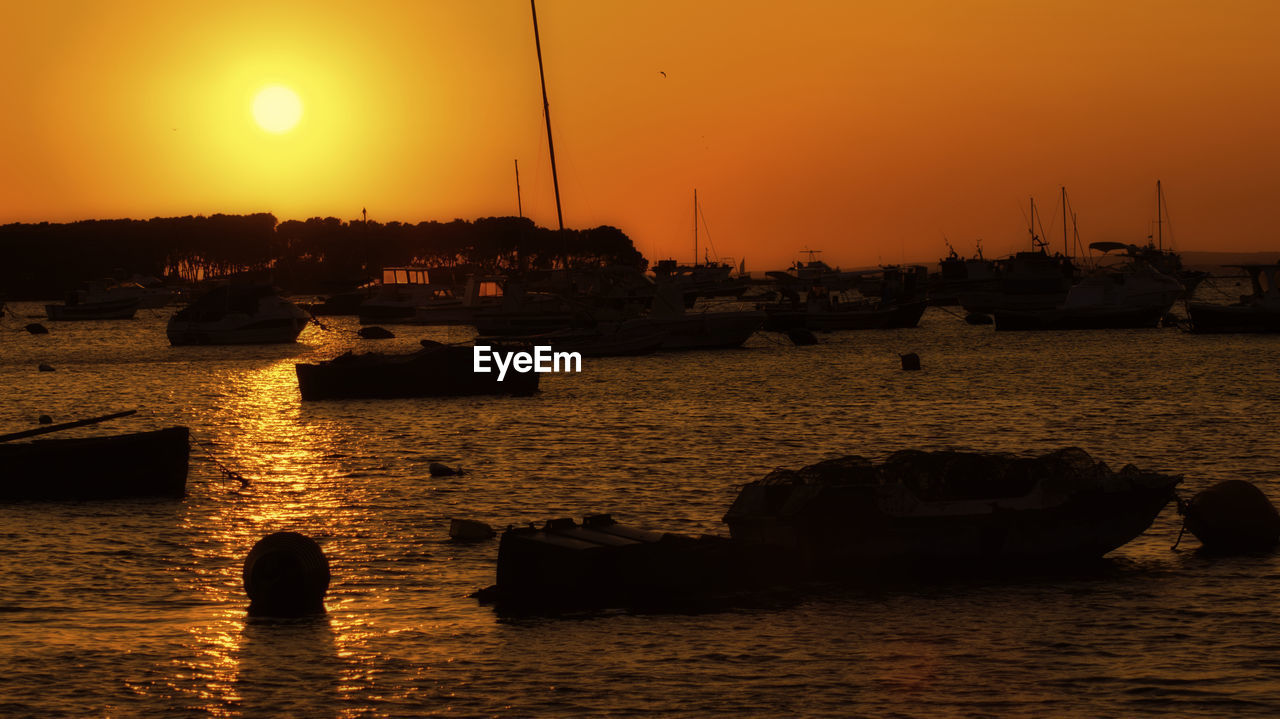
(137, 608)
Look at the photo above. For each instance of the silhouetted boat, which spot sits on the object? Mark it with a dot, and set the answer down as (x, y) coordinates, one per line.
(1130, 297)
(101, 300)
(1257, 312)
(901, 304)
(237, 314)
(140, 464)
(436, 370)
(848, 513)
(604, 340)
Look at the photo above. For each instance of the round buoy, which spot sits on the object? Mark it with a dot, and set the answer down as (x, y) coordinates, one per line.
(45, 367)
(801, 336)
(910, 361)
(469, 530)
(375, 333)
(1233, 516)
(45, 419)
(286, 575)
(36, 328)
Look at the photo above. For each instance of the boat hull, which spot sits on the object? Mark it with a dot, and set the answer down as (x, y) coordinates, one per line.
(822, 320)
(242, 330)
(121, 309)
(142, 464)
(1080, 319)
(701, 330)
(433, 372)
(1214, 319)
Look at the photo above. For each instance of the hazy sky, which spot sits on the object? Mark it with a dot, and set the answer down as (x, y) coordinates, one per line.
(867, 129)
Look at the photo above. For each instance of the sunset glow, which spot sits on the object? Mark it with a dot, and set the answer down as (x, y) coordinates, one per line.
(277, 109)
(873, 131)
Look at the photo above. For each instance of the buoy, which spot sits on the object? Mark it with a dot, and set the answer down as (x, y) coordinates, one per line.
(1233, 516)
(36, 328)
(375, 333)
(45, 419)
(470, 530)
(978, 318)
(910, 361)
(45, 368)
(443, 470)
(800, 336)
(286, 575)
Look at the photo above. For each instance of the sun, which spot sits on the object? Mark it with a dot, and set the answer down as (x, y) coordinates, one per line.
(277, 109)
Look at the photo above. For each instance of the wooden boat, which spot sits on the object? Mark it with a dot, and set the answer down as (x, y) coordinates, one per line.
(139, 464)
(601, 562)
(434, 371)
(930, 507)
(1257, 312)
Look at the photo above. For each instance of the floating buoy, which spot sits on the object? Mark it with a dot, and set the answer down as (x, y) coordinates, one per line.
(45, 367)
(1233, 516)
(45, 419)
(286, 575)
(978, 318)
(443, 470)
(800, 336)
(910, 361)
(36, 328)
(375, 333)
(470, 530)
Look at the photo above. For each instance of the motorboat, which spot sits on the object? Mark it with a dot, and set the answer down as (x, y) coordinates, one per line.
(232, 314)
(1256, 312)
(436, 370)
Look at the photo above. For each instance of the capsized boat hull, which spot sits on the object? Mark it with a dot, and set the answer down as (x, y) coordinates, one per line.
(141, 464)
(1056, 508)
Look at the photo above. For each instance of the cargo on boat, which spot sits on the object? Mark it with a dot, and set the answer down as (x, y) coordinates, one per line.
(849, 513)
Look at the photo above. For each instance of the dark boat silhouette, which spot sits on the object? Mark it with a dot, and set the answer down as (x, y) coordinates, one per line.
(137, 464)
(436, 370)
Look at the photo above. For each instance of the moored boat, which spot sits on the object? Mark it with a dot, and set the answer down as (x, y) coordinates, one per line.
(138, 464)
(237, 314)
(98, 301)
(436, 370)
(849, 513)
(1256, 312)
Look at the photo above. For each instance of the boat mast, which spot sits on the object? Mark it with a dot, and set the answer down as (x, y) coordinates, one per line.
(695, 227)
(519, 205)
(546, 112)
(1159, 216)
(1066, 245)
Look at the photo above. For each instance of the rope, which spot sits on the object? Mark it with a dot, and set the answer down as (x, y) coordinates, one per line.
(1182, 510)
(230, 473)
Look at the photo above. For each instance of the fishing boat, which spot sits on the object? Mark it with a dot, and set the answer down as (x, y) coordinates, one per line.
(136, 464)
(1256, 312)
(437, 370)
(901, 304)
(237, 314)
(609, 339)
(101, 300)
(946, 506)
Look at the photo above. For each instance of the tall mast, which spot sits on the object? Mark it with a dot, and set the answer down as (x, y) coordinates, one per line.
(1066, 245)
(546, 112)
(695, 227)
(1159, 216)
(519, 204)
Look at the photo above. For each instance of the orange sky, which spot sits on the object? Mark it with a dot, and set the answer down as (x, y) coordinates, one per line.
(867, 129)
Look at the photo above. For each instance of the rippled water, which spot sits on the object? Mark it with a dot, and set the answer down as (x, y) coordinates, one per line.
(136, 607)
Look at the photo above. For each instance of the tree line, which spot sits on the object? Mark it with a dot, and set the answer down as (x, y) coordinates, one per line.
(46, 260)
